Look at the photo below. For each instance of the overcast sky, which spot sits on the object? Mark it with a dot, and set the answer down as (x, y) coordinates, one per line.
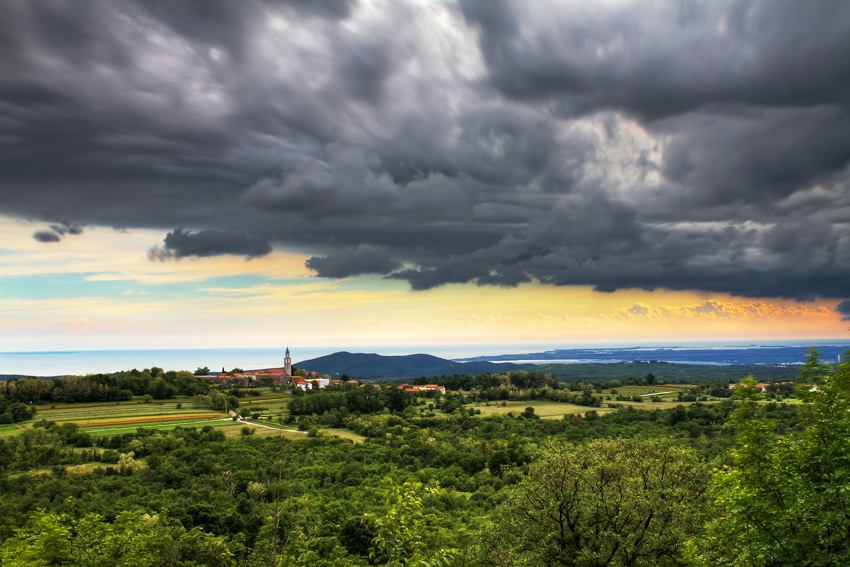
(700, 147)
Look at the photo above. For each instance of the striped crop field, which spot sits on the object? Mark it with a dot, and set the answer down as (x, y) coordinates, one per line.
(147, 419)
(104, 429)
(83, 414)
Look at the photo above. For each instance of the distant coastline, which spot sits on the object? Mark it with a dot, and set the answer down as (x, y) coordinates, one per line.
(81, 362)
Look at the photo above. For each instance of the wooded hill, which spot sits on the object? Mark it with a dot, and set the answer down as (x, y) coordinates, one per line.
(359, 366)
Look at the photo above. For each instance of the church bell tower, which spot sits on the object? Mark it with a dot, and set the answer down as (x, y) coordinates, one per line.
(287, 363)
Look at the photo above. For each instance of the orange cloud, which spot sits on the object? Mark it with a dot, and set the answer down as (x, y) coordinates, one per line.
(719, 310)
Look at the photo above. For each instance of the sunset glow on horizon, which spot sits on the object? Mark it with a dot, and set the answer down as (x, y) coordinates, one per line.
(422, 173)
(101, 292)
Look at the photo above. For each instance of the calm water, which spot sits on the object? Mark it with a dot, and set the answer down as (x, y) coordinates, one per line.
(717, 352)
(56, 363)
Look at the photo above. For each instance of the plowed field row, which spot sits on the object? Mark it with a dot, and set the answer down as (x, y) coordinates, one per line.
(119, 412)
(151, 420)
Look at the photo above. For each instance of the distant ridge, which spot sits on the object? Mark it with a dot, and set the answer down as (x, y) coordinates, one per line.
(372, 366)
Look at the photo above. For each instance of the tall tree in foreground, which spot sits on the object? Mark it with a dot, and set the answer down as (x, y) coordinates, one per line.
(786, 500)
(609, 503)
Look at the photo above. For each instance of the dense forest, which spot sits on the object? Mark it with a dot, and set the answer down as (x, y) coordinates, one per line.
(667, 371)
(742, 481)
(154, 382)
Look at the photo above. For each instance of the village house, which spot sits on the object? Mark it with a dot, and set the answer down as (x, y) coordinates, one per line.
(420, 388)
(278, 376)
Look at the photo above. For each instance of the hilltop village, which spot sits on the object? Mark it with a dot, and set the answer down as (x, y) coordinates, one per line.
(300, 378)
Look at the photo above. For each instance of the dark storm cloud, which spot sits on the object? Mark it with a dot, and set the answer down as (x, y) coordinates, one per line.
(46, 236)
(678, 145)
(666, 58)
(844, 309)
(210, 242)
(66, 228)
(364, 259)
(57, 231)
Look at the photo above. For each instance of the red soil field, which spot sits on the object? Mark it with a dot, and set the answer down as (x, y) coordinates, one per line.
(152, 419)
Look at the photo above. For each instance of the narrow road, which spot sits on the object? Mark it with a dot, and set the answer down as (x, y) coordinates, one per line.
(240, 420)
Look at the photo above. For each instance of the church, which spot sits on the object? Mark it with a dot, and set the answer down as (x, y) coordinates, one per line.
(278, 376)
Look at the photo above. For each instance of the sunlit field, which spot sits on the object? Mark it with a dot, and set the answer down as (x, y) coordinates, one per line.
(9, 429)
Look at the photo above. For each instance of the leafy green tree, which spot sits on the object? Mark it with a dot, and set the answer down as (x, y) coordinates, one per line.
(529, 413)
(127, 463)
(400, 534)
(160, 389)
(609, 503)
(786, 500)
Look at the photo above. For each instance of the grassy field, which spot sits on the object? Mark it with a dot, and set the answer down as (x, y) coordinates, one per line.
(273, 407)
(264, 432)
(345, 434)
(84, 468)
(101, 430)
(8, 429)
(556, 410)
(674, 389)
(268, 429)
(543, 409)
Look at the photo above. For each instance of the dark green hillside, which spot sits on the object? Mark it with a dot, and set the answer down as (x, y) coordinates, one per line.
(372, 366)
(665, 371)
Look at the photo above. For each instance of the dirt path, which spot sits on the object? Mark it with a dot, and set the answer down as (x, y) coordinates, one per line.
(240, 420)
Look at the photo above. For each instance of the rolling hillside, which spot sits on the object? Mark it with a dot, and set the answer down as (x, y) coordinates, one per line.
(372, 366)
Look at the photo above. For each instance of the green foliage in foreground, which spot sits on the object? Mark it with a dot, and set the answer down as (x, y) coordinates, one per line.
(611, 502)
(400, 535)
(786, 499)
(137, 539)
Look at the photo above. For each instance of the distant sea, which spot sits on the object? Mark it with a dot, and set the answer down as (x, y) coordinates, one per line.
(81, 362)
